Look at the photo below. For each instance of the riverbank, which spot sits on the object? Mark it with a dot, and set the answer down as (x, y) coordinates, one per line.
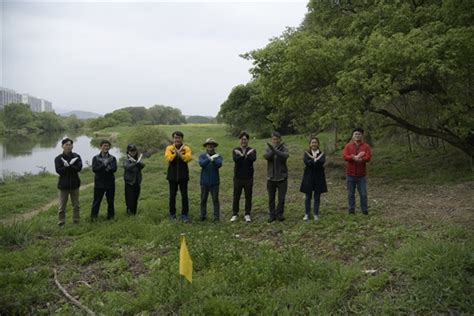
(412, 254)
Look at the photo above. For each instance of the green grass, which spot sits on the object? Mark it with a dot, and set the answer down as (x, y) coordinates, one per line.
(23, 193)
(130, 265)
(423, 165)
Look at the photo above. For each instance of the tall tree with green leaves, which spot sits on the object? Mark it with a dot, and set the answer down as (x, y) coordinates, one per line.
(407, 62)
(246, 109)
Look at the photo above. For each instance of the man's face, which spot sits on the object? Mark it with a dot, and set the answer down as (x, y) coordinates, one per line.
(276, 141)
(210, 148)
(178, 140)
(67, 147)
(357, 136)
(244, 142)
(105, 148)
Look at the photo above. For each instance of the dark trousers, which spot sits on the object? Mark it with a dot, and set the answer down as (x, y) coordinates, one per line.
(214, 190)
(132, 193)
(272, 187)
(183, 187)
(247, 186)
(307, 202)
(98, 195)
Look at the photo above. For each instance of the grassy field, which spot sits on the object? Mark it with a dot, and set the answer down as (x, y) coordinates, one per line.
(414, 254)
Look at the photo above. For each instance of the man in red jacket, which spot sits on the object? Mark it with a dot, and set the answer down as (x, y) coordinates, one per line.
(357, 154)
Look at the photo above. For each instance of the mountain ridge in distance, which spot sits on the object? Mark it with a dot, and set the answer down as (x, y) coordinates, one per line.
(83, 115)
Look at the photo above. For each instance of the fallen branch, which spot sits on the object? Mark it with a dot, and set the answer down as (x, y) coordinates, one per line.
(68, 296)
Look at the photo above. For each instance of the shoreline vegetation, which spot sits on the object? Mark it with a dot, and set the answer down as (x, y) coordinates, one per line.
(413, 254)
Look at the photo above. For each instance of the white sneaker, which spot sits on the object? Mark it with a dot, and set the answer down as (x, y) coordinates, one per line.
(306, 217)
(247, 218)
(234, 218)
(316, 217)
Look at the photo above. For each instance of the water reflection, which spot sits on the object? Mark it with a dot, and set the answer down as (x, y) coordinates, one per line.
(21, 154)
(19, 145)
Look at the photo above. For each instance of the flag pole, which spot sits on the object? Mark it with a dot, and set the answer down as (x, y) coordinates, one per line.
(181, 281)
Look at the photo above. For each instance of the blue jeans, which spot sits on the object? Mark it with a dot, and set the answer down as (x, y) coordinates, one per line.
(361, 184)
(214, 190)
(307, 203)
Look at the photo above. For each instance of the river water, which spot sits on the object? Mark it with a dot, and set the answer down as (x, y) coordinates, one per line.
(20, 154)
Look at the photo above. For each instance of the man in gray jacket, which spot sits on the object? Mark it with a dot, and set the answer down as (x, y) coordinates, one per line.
(276, 155)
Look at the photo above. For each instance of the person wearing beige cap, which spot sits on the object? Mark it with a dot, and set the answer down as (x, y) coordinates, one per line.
(210, 162)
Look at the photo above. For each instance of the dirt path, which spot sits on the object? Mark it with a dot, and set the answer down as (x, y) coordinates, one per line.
(423, 204)
(32, 213)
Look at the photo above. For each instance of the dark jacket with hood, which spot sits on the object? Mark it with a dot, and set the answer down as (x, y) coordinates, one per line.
(133, 172)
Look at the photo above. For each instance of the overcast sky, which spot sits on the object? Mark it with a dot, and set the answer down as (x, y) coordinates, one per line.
(103, 56)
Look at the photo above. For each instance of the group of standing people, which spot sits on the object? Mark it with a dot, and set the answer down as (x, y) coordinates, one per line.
(356, 153)
(104, 165)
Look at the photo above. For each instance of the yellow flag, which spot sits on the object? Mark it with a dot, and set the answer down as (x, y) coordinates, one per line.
(185, 262)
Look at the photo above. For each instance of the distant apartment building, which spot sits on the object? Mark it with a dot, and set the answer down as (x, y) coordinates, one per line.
(46, 106)
(8, 96)
(33, 102)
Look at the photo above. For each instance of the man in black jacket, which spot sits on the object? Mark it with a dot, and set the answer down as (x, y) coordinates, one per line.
(276, 155)
(244, 157)
(68, 165)
(104, 166)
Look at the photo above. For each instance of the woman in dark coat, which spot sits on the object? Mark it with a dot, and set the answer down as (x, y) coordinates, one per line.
(132, 175)
(314, 179)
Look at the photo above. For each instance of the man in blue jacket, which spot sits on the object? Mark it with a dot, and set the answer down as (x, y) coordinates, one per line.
(210, 163)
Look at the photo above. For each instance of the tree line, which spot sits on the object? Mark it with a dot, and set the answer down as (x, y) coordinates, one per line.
(19, 118)
(377, 64)
(157, 114)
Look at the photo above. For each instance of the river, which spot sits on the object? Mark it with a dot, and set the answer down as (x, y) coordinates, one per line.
(20, 154)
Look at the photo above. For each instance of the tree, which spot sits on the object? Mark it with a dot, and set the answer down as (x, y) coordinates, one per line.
(121, 116)
(18, 116)
(48, 121)
(247, 109)
(199, 119)
(161, 114)
(72, 122)
(139, 114)
(411, 62)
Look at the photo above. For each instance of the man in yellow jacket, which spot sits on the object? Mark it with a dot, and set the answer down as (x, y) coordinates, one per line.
(178, 155)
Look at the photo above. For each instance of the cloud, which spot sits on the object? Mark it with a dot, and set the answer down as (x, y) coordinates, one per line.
(103, 56)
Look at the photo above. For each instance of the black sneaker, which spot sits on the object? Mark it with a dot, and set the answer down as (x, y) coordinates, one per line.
(351, 212)
(271, 219)
(281, 218)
